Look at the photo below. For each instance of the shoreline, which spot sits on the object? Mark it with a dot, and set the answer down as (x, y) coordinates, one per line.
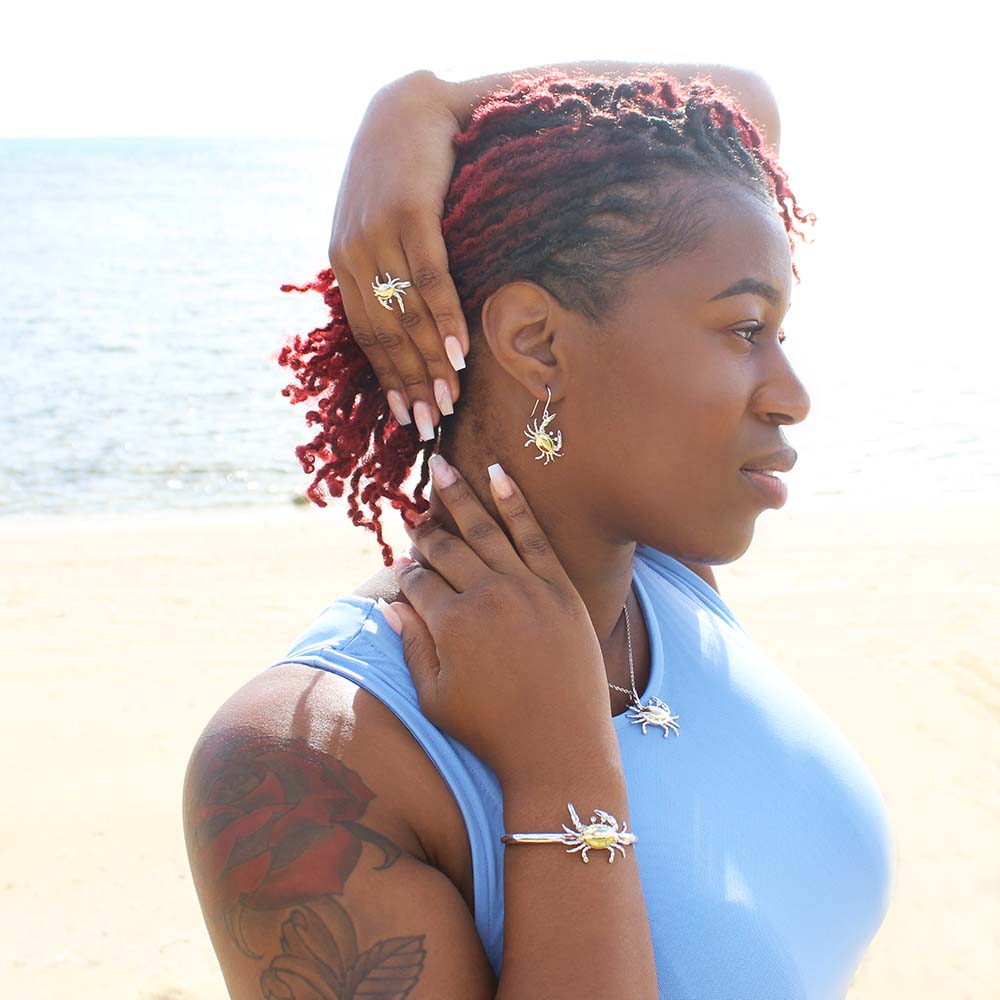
(226, 513)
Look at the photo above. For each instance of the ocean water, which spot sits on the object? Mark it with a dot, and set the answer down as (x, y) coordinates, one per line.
(139, 293)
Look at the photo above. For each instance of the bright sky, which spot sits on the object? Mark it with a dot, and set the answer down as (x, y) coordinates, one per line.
(218, 67)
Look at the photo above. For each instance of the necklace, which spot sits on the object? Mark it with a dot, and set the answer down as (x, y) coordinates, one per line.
(655, 712)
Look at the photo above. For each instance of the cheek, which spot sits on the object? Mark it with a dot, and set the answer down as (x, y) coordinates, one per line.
(672, 399)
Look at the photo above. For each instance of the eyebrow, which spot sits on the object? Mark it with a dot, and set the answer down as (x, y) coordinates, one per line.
(751, 286)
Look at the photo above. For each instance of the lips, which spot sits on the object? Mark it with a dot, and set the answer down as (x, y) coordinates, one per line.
(781, 460)
(767, 486)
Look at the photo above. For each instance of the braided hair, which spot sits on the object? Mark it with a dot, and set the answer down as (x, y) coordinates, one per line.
(556, 181)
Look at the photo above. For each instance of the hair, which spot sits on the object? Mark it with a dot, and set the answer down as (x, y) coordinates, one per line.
(553, 182)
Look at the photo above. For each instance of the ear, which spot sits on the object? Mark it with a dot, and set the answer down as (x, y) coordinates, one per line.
(520, 322)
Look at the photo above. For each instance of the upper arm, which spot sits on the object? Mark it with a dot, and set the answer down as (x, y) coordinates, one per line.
(292, 839)
(750, 89)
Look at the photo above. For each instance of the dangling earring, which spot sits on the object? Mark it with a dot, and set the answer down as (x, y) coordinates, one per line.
(548, 445)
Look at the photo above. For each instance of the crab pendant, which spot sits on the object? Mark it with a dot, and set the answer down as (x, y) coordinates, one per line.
(656, 713)
(548, 445)
(389, 289)
(601, 834)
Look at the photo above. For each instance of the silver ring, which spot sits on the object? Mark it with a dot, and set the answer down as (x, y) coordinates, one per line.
(391, 288)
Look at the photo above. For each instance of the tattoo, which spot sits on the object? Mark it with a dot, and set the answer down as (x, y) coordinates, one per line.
(319, 957)
(276, 827)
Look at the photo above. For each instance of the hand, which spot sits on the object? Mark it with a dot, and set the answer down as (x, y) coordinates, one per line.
(500, 645)
(388, 219)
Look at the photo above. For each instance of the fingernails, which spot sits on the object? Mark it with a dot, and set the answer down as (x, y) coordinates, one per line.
(400, 562)
(425, 422)
(501, 481)
(441, 472)
(398, 407)
(453, 348)
(443, 396)
(395, 622)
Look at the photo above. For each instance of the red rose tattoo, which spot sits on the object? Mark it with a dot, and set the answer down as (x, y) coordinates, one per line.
(278, 824)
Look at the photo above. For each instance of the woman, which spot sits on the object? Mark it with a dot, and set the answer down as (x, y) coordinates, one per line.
(556, 660)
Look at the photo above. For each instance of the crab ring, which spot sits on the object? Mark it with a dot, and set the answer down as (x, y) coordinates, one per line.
(391, 288)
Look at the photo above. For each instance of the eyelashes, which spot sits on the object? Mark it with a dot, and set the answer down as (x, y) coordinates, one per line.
(754, 331)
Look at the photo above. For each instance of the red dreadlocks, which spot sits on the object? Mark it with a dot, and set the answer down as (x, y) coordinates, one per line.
(552, 184)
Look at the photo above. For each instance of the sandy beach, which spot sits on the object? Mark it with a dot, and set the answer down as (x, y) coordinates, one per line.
(121, 635)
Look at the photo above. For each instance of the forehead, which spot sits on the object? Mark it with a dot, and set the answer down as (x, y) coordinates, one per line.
(744, 238)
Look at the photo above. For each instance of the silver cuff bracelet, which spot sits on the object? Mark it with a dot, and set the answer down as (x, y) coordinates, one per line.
(602, 833)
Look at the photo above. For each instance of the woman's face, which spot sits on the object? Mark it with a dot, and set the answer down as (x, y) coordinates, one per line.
(688, 400)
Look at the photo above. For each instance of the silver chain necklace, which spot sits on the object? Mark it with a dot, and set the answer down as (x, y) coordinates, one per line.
(655, 712)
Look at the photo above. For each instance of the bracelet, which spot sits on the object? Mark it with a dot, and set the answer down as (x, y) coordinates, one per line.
(601, 833)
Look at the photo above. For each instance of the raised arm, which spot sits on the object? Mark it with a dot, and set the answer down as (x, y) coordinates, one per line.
(750, 88)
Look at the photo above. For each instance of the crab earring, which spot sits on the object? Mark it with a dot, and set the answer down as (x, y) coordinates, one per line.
(548, 445)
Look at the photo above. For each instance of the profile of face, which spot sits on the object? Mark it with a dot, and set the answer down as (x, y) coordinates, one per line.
(664, 400)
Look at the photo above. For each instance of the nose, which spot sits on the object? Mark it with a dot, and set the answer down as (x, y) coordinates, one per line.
(781, 394)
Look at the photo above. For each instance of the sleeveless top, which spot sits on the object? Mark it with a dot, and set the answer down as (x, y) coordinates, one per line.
(764, 849)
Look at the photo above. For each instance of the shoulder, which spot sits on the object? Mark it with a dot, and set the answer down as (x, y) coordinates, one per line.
(382, 584)
(308, 815)
(298, 739)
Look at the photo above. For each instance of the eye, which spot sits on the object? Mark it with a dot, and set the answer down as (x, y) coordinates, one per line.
(752, 330)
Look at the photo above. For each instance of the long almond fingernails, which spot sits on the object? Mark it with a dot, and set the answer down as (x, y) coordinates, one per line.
(395, 622)
(442, 473)
(398, 407)
(501, 481)
(425, 422)
(443, 396)
(453, 348)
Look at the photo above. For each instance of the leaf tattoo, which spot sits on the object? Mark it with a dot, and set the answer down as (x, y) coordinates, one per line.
(314, 965)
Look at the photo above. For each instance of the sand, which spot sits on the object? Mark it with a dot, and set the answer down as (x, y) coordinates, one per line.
(121, 635)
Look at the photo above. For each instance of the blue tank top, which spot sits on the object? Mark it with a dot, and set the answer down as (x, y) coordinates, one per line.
(764, 849)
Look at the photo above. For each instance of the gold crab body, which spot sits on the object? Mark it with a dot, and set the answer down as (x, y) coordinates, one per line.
(391, 288)
(656, 713)
(548, 445)
(601, 834)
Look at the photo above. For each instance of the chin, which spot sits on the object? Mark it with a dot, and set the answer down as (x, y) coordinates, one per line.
(713, 552)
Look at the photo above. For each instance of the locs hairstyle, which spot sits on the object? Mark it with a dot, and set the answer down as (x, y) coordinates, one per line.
(558, 180)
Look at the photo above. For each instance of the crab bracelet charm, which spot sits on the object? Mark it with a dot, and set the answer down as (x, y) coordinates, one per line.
(602, 833)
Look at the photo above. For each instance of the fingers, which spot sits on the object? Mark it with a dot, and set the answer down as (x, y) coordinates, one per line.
(419, 649)
(483, 544)
(481, 550)
(532, 543)
(391, 615)
(428, 261)
(380, 360)
(400, 337)
(427, 590)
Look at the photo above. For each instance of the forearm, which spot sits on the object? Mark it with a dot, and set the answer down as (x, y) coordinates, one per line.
(572, 929)
(749, 87)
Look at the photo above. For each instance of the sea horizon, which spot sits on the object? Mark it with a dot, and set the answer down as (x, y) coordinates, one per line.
(143, 313)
